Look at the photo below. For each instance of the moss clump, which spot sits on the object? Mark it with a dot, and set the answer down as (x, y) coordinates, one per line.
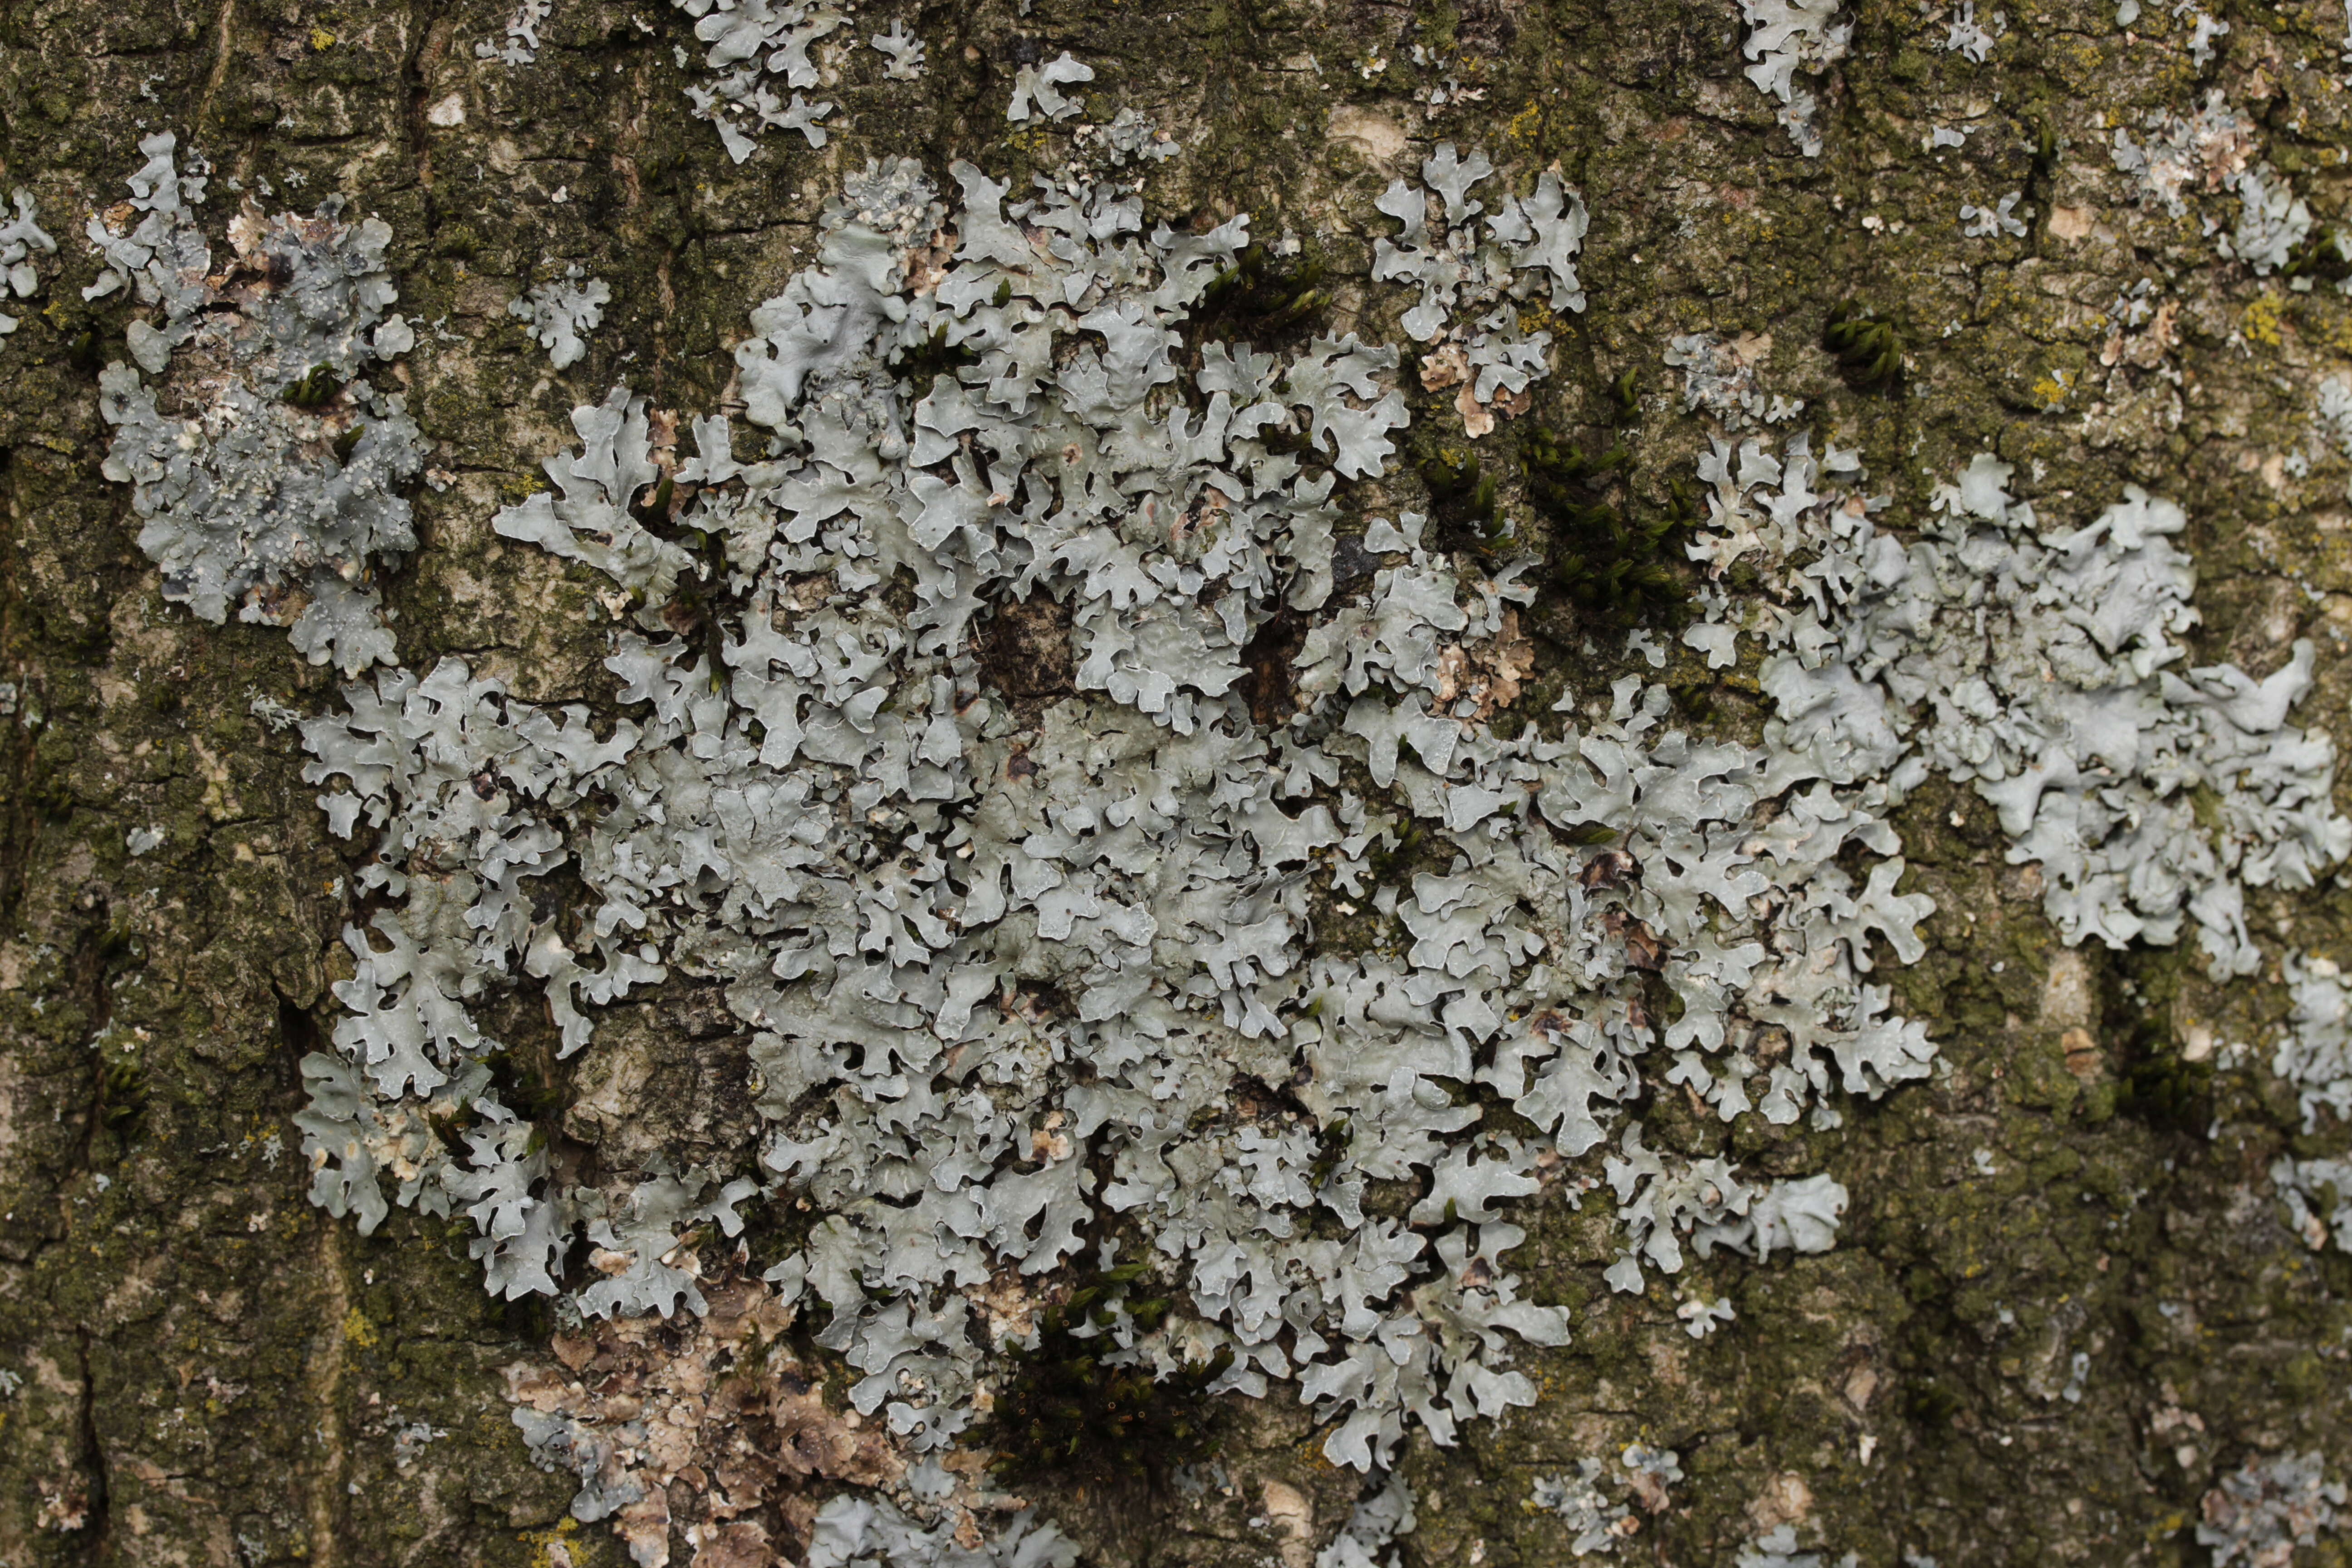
(2323, 256)
(1065, 1412)
(1389, 864)
(2163, 1088)
(1331, 1145)
(314, 388)
(1931, 1406)
(1626, 398)
(1262, 298)
(1867, 346)
(527, 1083)
(86, 349)
(1465, 498)
(121, 1093)
(1615, 565)
(934, 357)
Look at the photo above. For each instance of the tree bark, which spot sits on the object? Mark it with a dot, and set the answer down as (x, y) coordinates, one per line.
(203, 1367)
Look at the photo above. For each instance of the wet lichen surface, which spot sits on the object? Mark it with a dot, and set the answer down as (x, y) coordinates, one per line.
(2084, 1301)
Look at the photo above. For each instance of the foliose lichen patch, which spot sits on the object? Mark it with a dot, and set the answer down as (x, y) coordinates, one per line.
(1044, 978)
(269, 480)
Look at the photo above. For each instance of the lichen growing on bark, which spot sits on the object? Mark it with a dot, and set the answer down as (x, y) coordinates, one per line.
(2072, 1309)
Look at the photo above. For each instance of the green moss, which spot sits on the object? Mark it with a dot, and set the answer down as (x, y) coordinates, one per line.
(1464, 497)
(1067, 1412)
(1868, 347)
(1615, 564)
(1263, 299)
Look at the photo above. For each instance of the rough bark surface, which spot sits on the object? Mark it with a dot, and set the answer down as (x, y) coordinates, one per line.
(203, 1368)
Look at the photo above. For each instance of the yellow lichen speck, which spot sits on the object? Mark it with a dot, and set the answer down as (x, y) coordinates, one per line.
(2261, 322)
(550, 1548)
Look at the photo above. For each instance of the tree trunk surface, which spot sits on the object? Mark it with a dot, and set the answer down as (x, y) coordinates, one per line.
(2067, 1308)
